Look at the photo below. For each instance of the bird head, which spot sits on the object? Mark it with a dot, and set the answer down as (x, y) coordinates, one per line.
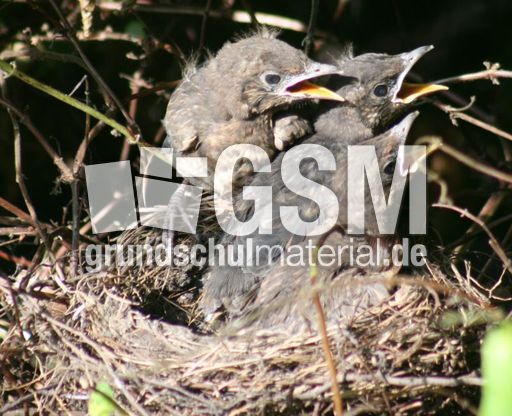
(380, 91)
(258, 75)
(391, 158)
(387, 146)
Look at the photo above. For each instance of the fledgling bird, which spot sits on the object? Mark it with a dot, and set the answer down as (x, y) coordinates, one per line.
(376, 97)
(283, 297)
(241, 284)
(232, 99)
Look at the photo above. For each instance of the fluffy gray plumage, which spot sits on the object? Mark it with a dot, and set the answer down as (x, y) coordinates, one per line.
(372, 103)
(232, 97)
(234, 287)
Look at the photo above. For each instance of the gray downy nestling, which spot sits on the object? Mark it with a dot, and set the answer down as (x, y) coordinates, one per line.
(283, 296)
(231, 99)
(376, 94)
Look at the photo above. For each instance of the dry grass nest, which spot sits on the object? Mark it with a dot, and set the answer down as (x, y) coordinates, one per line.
(416, 353)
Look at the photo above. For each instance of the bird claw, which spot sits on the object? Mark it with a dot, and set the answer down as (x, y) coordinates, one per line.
(289, 129)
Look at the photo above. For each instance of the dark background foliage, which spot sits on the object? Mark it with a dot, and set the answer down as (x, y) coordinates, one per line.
(464, 32)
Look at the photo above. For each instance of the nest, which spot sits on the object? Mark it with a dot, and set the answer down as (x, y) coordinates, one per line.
(417, 352)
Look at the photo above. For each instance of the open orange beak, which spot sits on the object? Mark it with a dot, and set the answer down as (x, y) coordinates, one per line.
(409, 92)
(306, 89)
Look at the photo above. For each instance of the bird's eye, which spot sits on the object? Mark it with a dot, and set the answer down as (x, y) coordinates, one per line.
(389, 167)
(272, 79)
(381, 90)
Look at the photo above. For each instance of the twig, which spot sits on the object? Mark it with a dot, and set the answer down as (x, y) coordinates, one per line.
(28, 201)
(22, 261)
(65, 172)
(272, 20)
(322, 326)
(37, 53)
(250, 10)
(238, 16)
(155, 88)
(469, 161)
(20, 177)
(467, 380)
(12, 71)
(308, 40)
(492, 73)
(13, 209)
(476, 233)
(475, 164)
(455, 114)
(72, 37)
(426, 381)
(77, 165)
(23, 231)
(125, 151)
(507, 262)
(340, 8)
(486, 212)
(207, 10)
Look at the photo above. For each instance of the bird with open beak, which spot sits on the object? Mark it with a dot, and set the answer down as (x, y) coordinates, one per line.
(283, 297)
(231, 99)
(231, 289)
(376, 95)
(375, 92)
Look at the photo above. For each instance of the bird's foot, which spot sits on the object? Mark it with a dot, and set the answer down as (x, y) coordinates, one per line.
(289, 129)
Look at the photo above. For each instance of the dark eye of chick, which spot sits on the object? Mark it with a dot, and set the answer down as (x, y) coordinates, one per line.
(381, 90)
(272, 79)
(389, 167)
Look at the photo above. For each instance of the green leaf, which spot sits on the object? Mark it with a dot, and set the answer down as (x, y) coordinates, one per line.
(101, 401)
(497, 372)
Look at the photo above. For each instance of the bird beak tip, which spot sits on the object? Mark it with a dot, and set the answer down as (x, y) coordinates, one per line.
(410, 92)
(306, 89)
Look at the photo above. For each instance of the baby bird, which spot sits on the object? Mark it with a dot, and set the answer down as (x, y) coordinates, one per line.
(232, 99)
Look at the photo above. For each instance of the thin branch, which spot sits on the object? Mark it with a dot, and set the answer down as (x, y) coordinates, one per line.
(13, 209)
(74, 40)
(492, 73)
(456, 114)
(238, 16)
(475, 164)
(12, 71)
(204, 21)
(65, 171)
(28, 201)
(340, 8)
(134, 86)
(486, 212)
(250, 10)
(322, 326)
(469, 161)
(467, 380)
(493, 242)
(37, 53)
(308, 40)
(21, 261)
(11, 231)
